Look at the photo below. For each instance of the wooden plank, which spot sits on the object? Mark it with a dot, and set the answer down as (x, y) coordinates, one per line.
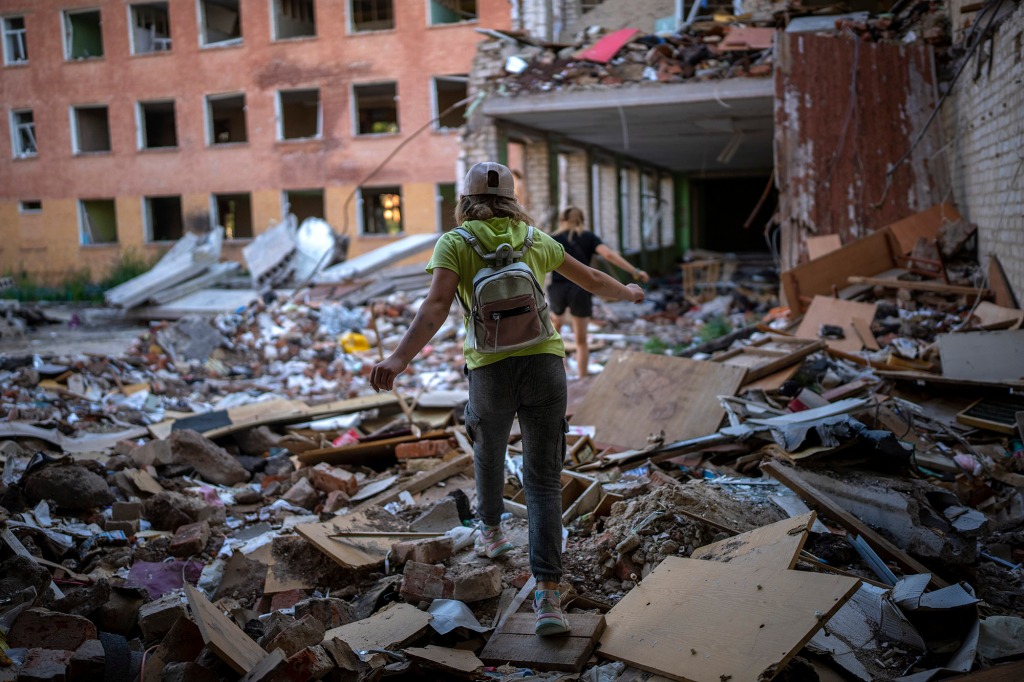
(222, 636)
(819, 245)
(706, 622)
(421, 481)
(639, 393)
(991, 316)
(923, 224)
(352, 553)
(1008, 672)
(391, 627)
(89, 442)
(515, 643)
(458, 660)
(983, 356)
(773, 381)
(933, 287)
(814, 497)
(930, 377)
(863, 329)
(366, 452)
(15, 544)
(777, 544)
(769, 355)
(837, 312)
(1002, 290)
(265, 667)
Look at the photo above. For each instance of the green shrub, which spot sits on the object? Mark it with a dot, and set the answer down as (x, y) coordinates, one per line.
(714, 328)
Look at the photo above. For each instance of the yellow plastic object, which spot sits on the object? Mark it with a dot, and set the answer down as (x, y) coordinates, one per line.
(354, 342)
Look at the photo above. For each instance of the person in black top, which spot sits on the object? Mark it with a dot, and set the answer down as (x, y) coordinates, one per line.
(581, 244)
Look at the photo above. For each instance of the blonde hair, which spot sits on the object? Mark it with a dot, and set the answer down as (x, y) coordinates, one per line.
(573, 221)
(487, 206)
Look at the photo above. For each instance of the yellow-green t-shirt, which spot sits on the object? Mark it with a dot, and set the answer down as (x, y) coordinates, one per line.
(453, 253)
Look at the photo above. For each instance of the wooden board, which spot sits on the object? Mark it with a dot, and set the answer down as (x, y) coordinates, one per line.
(863, 329)
(983, 356)
(458, 660)
(392, 627)
(769, 355)
(992, 316)
(773, 381)
(835, 311)
(816, 498)
(352, 552)
(422, 481)
(923, 224)
(777, 544)
(999, 284)
(706, 622)
(366, 452)
(515, 643)
(934, 287)
(222, 636)
(639, 393)
(819, 245)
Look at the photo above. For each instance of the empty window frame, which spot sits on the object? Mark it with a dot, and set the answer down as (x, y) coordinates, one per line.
(23, 134)
(452, 11)
(446, 199)
(449, 105)
(376, 108)
(15, 44)
(381, 210)
(83, 34)
(220, 22)
(226, 119)
(163, 218)
(90, 130)
(371, 15)
(298, 114)
(233, 212)
(97, 221)
(293, 19)
(150, 24)
(304, 203)
(157, 129)
(30, 206)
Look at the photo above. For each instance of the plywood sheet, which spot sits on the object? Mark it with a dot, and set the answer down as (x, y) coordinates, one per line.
(819, 245)
(835, 311)
(923, 224)
(983, 356)
(776, 545)
(451, 659)
(1000, 284)
(515, 643)
(393, 627)
(706, 622)
(352, 552)
(222, 636)
(992, 316)
(639, 393)
(768, 355)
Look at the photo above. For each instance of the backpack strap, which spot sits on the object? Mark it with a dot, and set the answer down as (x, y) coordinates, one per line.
(504, 255)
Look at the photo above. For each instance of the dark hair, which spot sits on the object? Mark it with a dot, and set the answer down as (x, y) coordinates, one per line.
(572, 220)
(487, 206)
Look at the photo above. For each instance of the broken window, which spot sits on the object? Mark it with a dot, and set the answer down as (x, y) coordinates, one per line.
(372, 15)
(90, 130)
(15, 47)
(23, 133)
(293, 19)
(299, 114)
(449, 107)
(151, 27)
(83, 34)
(226, 116)
(452, 11)
(30, 206)
(381, 210)
(156, 125)
(304, 203)
(97, 221)
(446, 199)
(233, 212)
(220, 22)
(163, 219)
(376, 108)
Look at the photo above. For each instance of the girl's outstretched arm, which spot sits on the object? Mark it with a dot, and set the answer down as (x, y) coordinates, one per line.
(616, 259)
(597, 282)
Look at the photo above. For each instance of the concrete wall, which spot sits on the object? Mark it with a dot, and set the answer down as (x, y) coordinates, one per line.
(984, 121)
(48, 243)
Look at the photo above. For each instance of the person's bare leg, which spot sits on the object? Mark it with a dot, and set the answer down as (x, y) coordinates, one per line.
(557, 321)
(579, 328)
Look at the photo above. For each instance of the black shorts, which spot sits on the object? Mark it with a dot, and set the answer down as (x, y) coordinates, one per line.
(562, 295)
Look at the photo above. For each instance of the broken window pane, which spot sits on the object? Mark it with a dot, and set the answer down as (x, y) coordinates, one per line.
(91, 130)
(15, 45)
(220, 22)
(377, 107)
(446, 199)
(97, 221)
(83, 34)
(163, 219)
(293, 19)
(233, 212)
(23, 133)
(382, 210)
(304, 203)
(151, 27)
(300, 114)
(449, 91)
(452, 11)
(372, 15)
(30, 206)
(226, 115)
(156, 125)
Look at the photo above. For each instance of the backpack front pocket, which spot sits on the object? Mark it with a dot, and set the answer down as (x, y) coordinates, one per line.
(511, 322)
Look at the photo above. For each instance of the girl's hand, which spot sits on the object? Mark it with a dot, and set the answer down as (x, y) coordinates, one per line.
(383, 375)
(641, 276)
(636, 294)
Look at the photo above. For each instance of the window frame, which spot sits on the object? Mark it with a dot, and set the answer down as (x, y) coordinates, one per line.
(201, 32)
(140, 125)
(435, 105)
(279, 115)
(354, 98)
(83, 217)
(132, 49)
(15, 127)
(75, 151)
(67, 34)
(22, 35)
(147, 218)
(350, 14)
(432, 23)
(208, 115)
(30, 211)
(361, 208)
(273, 24)
(215, 217)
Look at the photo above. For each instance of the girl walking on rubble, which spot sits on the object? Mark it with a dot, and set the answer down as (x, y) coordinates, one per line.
(563, 293)
(529, 382)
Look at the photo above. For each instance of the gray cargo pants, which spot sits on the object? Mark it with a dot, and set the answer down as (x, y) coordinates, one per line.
(534, 387)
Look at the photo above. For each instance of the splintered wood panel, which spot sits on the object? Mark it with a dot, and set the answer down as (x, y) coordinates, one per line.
(350, 552)
(222, 636)
(768, 355)
(777, 544)
(452, 659)
(840, 313)
(704, 621)
(515, 643)
(819, 245)
(393, 627)
(924, 224)
(639, 393)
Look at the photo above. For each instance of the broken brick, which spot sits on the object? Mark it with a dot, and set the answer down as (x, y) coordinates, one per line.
(424, 582)
(157, 617)
(425, 551)
(45, 665)
(128, 527)
(326, 479)
(46, 629)
(297, 636)
(479, 584)
(302, 494)
(336, 499)
(190, 539)
(87, 662)
(126, 511)
(286, 600)
(423, 448)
